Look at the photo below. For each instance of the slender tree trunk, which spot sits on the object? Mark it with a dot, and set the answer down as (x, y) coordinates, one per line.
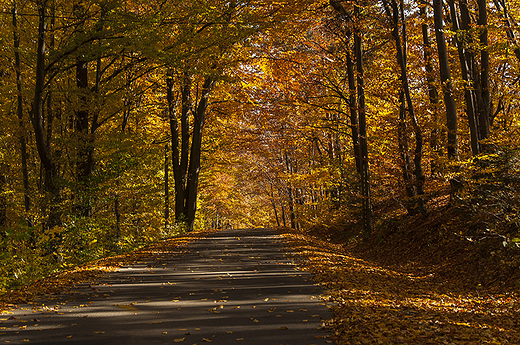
(283, 215)
(414, 188)
(186, 107)
(3, 199)
(445, 74)
(354, 121)
(166, 188)
(174, 131)
(19, 111)
(465, 67)
(486, 109)
(432, 89)
(85, 148)
(363, 142)
(273, 203)
(196, 151)
(49, 167)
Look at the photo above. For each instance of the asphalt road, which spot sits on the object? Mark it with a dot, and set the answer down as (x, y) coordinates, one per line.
(235, 287)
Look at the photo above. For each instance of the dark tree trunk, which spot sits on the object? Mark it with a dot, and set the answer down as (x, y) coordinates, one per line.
(354, 121)
(49, 167)
(414, 186)
(432, 89)
(166, 188)
(273, 203)
(3, 199)
(445, 74)
(19, 111)
(85, 160)
(466, 65)
(363, 142)
(363, 169)
(196, 151)
(486, 108)
(186, 107)
(174, 131)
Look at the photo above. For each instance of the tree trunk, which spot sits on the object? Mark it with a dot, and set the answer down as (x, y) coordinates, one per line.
(49, 167)
(273, 203)
(3, 199)
(166, 189)
(445, 74)
(363, 142)
(363, 169)
(486, 108)
(195, 153)
(466, 65)
(414, 188)
(432, 89)
(174, 131)
(354, 121)
(19, 111)
(85, 147)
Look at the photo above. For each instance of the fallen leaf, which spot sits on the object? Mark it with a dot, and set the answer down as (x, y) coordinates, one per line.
(283, 327)
(127, 307)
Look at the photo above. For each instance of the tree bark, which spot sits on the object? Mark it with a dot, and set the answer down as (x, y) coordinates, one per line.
(174, 131)
(486, 108)
(445, 74)
(354, 121)
(166, 188)
(432, 89)
(19, 111)
(466, 66)
(364, 169)
(363, 142)
(196, 151)
(49, 167)
(414, 185)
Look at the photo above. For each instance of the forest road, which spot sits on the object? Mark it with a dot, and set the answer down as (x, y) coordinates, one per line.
(234, 287)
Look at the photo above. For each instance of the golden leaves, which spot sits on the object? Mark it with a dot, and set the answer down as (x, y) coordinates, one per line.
(392, 306)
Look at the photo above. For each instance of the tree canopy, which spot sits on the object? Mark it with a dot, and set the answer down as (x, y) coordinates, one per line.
(129, 121)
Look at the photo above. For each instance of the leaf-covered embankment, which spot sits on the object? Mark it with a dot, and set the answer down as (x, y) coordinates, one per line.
(416, 304)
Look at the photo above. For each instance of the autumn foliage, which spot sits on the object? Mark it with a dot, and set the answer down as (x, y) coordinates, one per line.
(382, 124)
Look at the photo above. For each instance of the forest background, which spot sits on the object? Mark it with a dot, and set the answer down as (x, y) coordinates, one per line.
(125, 122)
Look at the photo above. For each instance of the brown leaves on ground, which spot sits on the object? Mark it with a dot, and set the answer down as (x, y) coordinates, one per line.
(376, 304)
(94, 270)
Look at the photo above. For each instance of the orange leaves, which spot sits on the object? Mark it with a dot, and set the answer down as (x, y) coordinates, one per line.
(392, 306)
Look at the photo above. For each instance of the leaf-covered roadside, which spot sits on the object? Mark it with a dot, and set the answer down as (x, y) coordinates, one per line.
(377, 305)
(94, 270)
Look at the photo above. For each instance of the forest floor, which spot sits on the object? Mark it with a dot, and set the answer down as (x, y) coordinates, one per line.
(436, 279)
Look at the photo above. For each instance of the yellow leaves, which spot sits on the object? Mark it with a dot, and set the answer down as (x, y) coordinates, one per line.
(129, 307)
(179, 340)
